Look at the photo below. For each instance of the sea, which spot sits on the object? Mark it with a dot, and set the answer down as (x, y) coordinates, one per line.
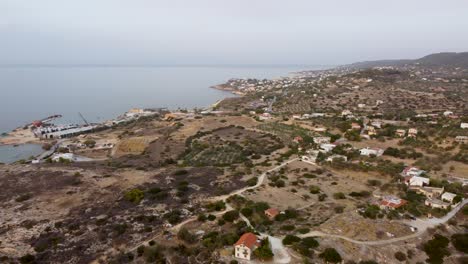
(99, 93)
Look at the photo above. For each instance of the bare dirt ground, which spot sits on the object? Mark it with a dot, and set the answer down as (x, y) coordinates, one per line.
(19, 136)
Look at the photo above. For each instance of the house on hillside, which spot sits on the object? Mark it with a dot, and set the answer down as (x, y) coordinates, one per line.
(298, 139)
(448, 113)
(346, 113)
(355, 126)
(429, 192)
(271, 213)
(371, 151)
(461, 139)
(416, 181)
(464, 125)
(391, 202)
(376, 124)
(371, 131)
(322, 140)
(400, 132)
(327, 147)
(412, 171)
(337, 157)
(448, 197)
(412, 132)
(245, 246)
(436, 203)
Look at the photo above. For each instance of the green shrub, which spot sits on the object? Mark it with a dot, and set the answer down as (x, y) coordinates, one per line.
(231, 216)
(436, 249)
(460, 242)
(339, 195)
(290, 239)
(400, 256)
(330, 255)
(310, 242)
(134, 196)
(263, 252)
(186, 236)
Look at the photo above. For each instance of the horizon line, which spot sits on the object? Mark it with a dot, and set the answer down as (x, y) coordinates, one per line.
(149, 65)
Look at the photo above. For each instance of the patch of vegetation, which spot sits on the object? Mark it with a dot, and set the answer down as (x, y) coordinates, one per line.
(264, 252)
(436, 249)
(460, 242)
(330, 255)
(134, 196)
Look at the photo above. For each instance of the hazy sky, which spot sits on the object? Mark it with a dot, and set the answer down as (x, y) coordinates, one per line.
(227, 32)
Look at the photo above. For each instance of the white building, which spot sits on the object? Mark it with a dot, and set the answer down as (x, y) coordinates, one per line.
(337, 157)
(464, 125)
(371, 151)
(448, 113)
(246, 244)
(346, 113)
(416, 181)
(63, 156)
(412, 171)
(327, 147)
(436, 203)
(448, 197)
(322, 140)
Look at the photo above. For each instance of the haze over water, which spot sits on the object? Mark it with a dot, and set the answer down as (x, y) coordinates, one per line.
(101, 93)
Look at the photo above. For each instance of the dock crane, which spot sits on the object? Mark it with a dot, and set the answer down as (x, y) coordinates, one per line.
(82, 117)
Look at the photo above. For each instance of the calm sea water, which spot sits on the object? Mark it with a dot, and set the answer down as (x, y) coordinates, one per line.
(10, 154)
(101, 93)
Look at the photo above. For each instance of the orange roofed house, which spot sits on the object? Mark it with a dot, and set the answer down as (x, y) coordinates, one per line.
(245, 246)
(271, 213)
(391, 202)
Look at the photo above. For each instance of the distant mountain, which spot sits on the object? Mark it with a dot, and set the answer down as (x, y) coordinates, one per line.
(452, 59)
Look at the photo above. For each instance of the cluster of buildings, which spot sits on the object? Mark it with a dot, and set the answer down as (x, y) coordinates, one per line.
(435, 197)
(62, 131)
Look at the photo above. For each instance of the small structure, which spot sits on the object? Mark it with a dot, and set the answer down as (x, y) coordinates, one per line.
(337, 157)
(391, 202)
(412, 171)
(429, 192)
(448, 197)
(461, 139)
(320, 129)
(246, 244)
(448, 113)
(298, 139)
(412, 132)
(355, 126)
(464, 125)
(371, 131)
(265, 116)
(327, 147)
(271, 213)
(63, 156)
(400, 132)
(322, 140)
(346, 113)
(436, 203)
(416, 181)
(376, 124)
(371, 151)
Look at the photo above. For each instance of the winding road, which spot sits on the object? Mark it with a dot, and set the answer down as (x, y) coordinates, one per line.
(281, 254)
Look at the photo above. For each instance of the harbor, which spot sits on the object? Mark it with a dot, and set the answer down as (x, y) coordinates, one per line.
(45, 140)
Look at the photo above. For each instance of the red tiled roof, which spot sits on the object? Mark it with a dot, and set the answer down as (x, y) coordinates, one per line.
(272, 211)
(392, 204)
(248, 239)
